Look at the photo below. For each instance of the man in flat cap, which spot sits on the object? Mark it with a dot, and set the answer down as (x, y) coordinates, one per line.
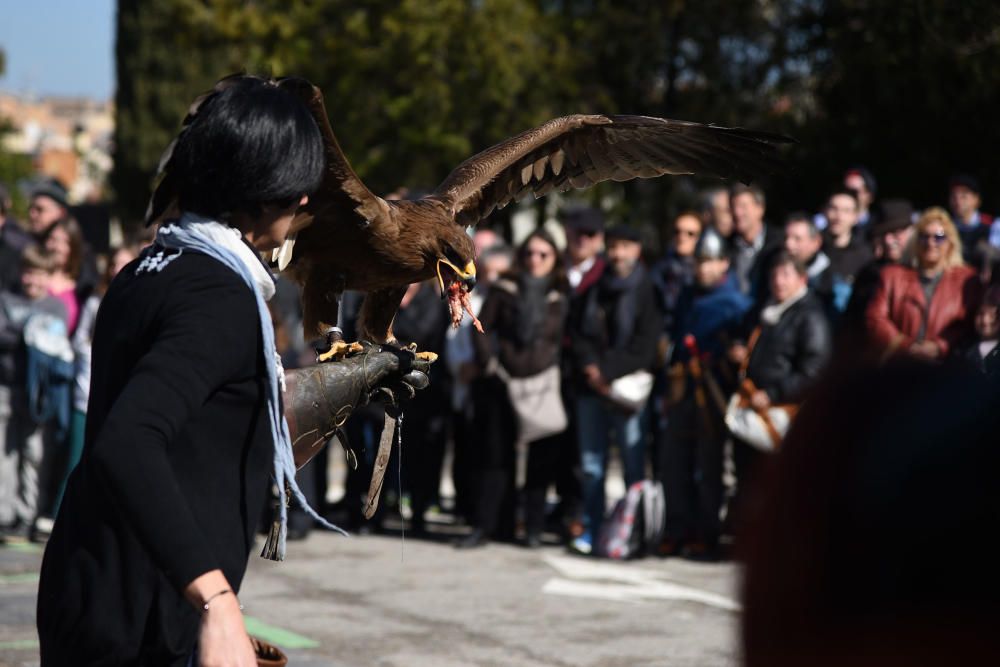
(614, 334)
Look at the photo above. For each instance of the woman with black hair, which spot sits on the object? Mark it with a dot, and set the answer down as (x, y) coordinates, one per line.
(186, 418)
(525, 310)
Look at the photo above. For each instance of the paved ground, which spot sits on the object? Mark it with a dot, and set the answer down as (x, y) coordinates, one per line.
(379, 600)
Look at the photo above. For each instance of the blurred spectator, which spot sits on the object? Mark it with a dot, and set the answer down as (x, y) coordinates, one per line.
(804, 243)
(584, 243)
(524, 315)
(964, 199)
(927, 309)
(890, 237)
(983, 353)
(422, 320)
(845, 245)
(614, 335)
(13, 240)
(716, 212)
(460, 359)
(872, 543)
(117, 259)
(21, 446)
(784, 356)
(287, 303)
(63, 241)
(754, 243)
(585, 266)
(701, 379)
(675, 271)
(362, 431)
(48, 205)
(861, 181)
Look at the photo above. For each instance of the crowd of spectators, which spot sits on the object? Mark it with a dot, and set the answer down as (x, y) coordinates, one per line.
(591, 348)
(50, 287)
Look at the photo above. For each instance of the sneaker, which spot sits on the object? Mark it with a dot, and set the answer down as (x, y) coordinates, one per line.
(582, 545)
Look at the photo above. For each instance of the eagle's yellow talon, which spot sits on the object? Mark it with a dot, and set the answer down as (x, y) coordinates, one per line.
(338, 350)
(427, 356)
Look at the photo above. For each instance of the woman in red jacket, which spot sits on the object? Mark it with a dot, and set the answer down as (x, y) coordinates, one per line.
(925, 310)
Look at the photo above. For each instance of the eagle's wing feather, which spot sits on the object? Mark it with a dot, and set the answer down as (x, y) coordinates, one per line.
(342, 196)
(579, 151)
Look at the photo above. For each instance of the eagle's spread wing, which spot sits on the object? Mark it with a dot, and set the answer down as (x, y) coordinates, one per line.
(341, 197)
(579, 151)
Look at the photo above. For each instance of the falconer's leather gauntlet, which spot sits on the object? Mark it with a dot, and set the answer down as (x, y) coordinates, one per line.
(319, 399)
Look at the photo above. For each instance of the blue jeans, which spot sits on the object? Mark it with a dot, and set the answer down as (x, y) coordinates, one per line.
(597, 423)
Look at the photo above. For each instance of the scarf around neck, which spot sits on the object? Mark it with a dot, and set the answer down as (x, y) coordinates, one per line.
(623, 292)
(226, 245)
(532, 307)
(772, 313)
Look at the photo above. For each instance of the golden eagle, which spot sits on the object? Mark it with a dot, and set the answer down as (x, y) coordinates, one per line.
(346, 237)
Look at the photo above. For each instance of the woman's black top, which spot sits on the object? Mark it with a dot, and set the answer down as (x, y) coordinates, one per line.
(504, 319)
(174, 472)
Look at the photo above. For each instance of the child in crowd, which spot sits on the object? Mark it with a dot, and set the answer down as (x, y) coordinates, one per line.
(21, 447)
(984, 352)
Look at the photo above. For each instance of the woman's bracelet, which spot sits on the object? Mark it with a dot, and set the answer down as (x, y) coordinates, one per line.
(208, 601)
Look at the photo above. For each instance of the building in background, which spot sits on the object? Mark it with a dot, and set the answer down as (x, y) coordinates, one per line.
(68, 138)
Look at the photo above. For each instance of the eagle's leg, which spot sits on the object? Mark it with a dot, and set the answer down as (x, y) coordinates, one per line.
(377, 314)
(337, 347)
(321, 295)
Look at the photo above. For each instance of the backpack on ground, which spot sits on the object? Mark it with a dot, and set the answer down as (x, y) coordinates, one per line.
(635, 525)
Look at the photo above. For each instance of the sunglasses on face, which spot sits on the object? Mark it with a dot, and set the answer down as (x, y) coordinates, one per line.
(936, 239)
(540, 254)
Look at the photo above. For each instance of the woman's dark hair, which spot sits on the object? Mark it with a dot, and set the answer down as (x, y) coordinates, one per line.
(249, 145)
(783, 257)
(76, 244)
(558, 275)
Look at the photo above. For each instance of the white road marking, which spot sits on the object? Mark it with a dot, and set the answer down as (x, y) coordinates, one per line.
(613, 581)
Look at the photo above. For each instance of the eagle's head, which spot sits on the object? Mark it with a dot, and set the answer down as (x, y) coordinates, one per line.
(456, 269)
(456, 260)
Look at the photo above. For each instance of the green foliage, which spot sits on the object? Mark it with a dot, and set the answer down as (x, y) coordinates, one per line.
(414, 87)
(909, 88)
(13, 167)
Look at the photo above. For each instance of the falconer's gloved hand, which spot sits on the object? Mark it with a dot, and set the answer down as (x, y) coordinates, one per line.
(319, 399)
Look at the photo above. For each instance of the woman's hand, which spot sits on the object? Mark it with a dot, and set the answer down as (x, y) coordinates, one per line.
(759, 400)
(737, 353)
(222, 639)
(596, 381)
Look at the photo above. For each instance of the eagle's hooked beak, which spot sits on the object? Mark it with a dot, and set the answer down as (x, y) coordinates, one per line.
(282, 255)
(466, 275)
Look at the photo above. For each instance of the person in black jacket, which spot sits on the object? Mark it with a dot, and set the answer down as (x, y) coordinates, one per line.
(614, 334)
(423, 322)
(523, 315)
(185, 413)
(789, 348)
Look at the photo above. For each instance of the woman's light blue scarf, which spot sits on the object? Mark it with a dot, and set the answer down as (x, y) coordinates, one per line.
(225, 244)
